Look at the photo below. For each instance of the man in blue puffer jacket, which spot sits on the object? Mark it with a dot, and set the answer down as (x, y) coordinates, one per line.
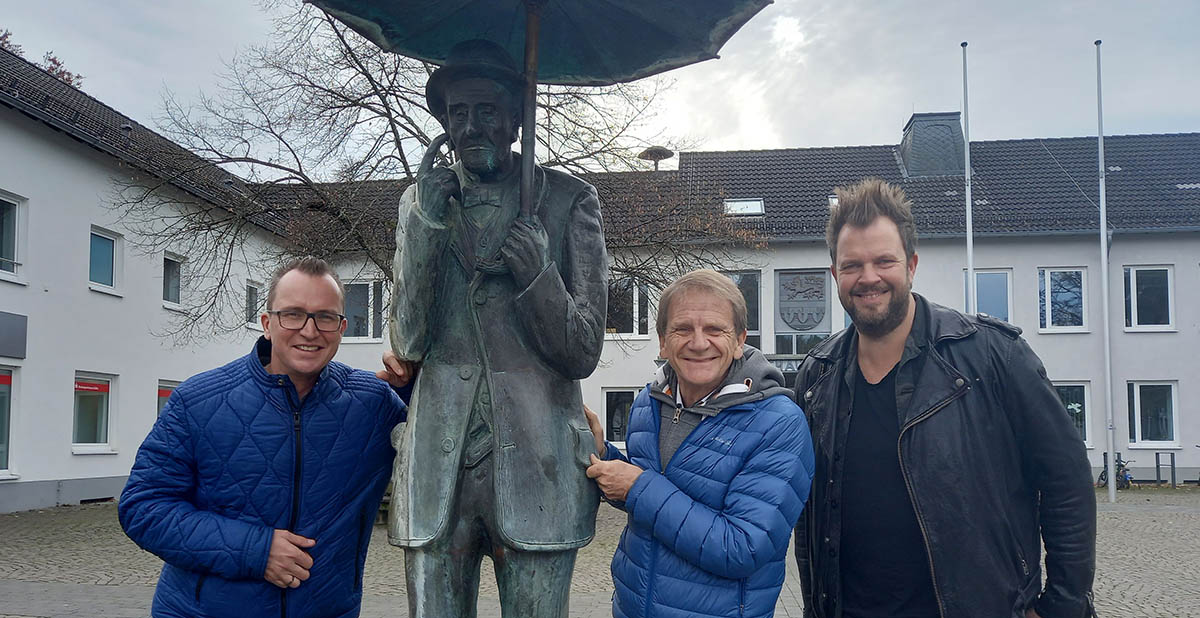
(259, 483)
(719, 466)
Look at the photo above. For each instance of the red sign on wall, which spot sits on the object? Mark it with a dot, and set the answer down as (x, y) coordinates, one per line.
(91, 387)
(5, 379)
(165, 392)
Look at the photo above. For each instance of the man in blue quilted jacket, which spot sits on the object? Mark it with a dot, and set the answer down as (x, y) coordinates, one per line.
(259, 483)
(718, 467)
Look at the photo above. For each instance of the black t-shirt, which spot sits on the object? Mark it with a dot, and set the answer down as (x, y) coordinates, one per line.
(884, 566)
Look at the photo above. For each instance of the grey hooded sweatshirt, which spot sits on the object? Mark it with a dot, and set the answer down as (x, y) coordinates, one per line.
(750, 378)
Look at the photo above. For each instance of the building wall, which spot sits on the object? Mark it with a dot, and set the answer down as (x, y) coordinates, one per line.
(61, 186)
(1069, 357)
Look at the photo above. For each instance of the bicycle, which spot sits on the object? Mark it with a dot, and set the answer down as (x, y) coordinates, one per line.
(1124, 476)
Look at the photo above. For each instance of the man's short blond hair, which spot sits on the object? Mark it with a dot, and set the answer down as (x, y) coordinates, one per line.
(705, 280)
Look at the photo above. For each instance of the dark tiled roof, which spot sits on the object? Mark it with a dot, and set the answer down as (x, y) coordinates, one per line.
(32, 91)
(1019, 187)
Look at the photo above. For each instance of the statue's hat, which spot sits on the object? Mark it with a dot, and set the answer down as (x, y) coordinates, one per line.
(474, 58)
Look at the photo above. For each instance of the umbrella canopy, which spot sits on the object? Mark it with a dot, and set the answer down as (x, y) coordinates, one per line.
(581, 42)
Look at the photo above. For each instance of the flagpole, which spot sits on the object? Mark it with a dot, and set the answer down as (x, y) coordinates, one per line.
(1108, 395)
(971, 308)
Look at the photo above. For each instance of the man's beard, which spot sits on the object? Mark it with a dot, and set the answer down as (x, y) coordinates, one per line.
(878, 325)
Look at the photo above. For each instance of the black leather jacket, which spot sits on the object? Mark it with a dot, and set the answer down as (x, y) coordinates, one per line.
(989, 456)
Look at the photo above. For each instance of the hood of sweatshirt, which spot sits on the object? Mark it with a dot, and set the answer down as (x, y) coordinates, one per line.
(750, 378)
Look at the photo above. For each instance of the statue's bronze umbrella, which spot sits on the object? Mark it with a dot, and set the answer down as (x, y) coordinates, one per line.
(565, 42)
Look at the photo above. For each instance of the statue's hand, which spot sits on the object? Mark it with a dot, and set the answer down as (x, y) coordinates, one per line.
(436, 185)
(526, 251)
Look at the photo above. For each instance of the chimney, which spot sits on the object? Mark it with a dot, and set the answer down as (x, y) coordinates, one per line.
(933, 145)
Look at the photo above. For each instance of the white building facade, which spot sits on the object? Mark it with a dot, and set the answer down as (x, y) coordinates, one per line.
(84, 367)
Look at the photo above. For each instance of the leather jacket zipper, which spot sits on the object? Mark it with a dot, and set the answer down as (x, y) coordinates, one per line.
(913, 498)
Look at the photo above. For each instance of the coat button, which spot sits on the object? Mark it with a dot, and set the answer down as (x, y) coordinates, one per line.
(808, 395)
(447, 444)
(481, 297)
(959, 382)
(465, 373)
(827, 539)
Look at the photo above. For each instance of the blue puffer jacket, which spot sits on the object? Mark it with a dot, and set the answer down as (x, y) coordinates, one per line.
(231, 458)
(708, 536)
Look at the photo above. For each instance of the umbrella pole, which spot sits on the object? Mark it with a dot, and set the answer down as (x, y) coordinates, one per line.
(529, 123)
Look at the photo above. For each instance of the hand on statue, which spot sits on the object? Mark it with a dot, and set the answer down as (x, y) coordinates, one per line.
(288, 563)
(526, 251)
(395, 371)
(614, 477)
(436, 185)
(593, 422)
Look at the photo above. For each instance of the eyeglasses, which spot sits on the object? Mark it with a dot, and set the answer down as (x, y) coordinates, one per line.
(295, 320)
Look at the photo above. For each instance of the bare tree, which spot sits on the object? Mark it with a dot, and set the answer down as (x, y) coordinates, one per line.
(51, 63)
(315, 134)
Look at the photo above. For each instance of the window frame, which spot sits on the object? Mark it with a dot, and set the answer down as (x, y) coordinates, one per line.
(10, 380)
(606, 421)
(372, 291)
(1136, 413)
(1008, 290)
(167, 386)
(1045, 294)
(1133, 326)
(118, 262)
(750, 332)
(20, 238)
(254, 322)
(179, 261)
(744, 207)
(638, 290)
(1087, 406)
(110, 414)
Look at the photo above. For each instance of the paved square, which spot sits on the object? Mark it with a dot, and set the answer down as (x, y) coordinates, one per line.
(75, 561)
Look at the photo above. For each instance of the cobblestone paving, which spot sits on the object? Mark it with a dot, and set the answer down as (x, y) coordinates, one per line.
(75, 561)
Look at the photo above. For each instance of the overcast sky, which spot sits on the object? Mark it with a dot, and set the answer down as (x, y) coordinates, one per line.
(802, 73)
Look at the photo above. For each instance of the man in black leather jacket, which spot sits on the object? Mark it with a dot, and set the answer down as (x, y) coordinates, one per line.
(944, 458)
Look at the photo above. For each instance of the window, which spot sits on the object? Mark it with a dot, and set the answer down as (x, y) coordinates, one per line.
(992, 292)
(91, 409)
(1152, 408)
(8, 238)
(1148, 298)
(748, 282)
(165, 388)
(628, 308)
(364, 309)
(802, 310)
(1074, 396)
(616, 413)
(5, 414)
(172, 266)
(104, 260)
(253, 303)
(1060, 299)
(743, 207)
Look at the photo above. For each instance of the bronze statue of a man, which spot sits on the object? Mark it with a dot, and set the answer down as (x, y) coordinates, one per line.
(504, 315)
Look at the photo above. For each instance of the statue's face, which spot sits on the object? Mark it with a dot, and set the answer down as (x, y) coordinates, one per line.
(482, 125)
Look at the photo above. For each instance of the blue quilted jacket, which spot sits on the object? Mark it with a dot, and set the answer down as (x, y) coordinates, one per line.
(233, 457)
(708, 536)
